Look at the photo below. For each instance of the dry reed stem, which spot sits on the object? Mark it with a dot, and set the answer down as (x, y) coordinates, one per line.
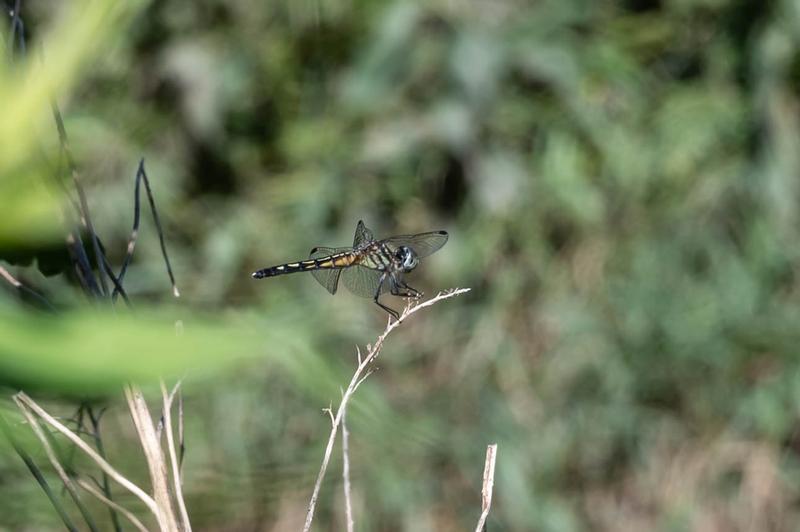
(154, 456)
(173, 456)
(488, 486)
(358, 377)
(83, 446)
(116, 507)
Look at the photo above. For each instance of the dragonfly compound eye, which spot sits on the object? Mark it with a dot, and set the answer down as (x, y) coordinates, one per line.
(407, 257)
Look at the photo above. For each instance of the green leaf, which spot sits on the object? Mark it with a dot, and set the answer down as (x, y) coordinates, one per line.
(91, 351)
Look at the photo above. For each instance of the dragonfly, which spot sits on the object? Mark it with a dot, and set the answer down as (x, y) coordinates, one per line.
(369, 267)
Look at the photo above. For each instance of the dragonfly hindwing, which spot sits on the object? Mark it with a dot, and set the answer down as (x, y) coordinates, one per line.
(327, 277)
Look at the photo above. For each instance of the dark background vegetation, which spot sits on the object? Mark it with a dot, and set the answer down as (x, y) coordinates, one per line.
(620, 182)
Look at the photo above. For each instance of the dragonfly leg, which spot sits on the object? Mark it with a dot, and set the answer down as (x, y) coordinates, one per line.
(400, 288)
(394, 314)
(413, 292)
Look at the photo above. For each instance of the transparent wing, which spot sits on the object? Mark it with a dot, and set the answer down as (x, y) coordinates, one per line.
(363, 235)
(363, 281)
(423, 244)
(329, 277)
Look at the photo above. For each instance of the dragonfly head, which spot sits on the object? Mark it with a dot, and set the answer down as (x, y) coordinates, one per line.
(407, 258)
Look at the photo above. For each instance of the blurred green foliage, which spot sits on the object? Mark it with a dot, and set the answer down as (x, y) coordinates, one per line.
(97, 352)
(620, 181)
(27, 90)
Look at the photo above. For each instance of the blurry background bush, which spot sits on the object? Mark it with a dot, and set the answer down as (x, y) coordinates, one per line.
(620, 182)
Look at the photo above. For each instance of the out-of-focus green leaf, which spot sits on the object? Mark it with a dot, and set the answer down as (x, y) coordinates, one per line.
(28, 88)
(95, 351)
(33, 215)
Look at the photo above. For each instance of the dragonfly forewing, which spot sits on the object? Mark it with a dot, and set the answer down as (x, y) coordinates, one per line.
(423, 244)
(363, 235)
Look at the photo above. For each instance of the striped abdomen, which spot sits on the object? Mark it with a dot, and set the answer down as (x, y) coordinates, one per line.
(340, 260)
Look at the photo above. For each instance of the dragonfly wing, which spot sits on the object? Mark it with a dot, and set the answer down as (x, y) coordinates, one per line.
(327, 277)
(423, 244)
(363, 235)
(363, 281)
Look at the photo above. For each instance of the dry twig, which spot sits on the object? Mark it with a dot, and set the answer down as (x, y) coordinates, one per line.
(348, 505)
(360, 374)
(488, 485)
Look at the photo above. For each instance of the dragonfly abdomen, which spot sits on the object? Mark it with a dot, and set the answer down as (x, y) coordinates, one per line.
(340, 260)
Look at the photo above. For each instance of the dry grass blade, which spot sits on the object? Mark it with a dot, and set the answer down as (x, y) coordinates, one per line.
(37, 474)
(173, 455)
(154, 456)
(54, 461)
(98, 444)
(83, 446)
(358, 377)
(111, 504)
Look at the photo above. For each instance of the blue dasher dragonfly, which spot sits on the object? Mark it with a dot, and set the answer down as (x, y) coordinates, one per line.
(370, 267)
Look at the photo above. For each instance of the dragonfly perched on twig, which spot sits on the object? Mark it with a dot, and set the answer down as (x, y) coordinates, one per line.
(370, 267)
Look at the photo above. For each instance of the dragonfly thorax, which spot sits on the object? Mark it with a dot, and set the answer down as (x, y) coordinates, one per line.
(407, 258)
